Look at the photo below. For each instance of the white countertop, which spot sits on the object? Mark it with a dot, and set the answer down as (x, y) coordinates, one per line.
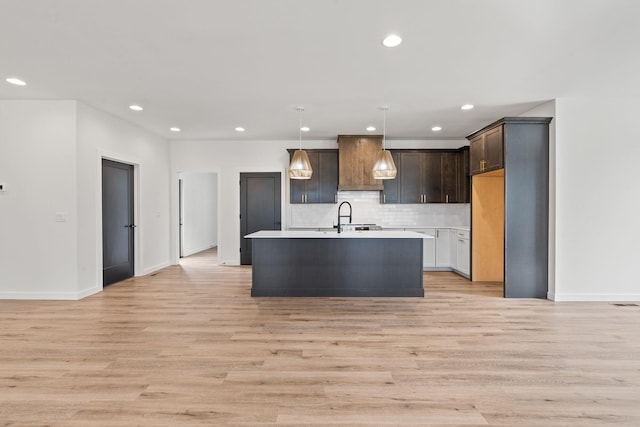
(394, 227)
(311, 234)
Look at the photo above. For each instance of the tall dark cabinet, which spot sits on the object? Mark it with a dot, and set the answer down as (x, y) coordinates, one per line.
(509, 164)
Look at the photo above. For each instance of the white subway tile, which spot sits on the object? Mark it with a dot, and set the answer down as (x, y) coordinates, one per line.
(367, 209)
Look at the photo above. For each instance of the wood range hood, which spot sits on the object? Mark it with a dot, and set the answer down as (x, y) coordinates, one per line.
(356, 157)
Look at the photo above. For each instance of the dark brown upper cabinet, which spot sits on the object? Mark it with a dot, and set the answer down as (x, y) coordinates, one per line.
(464, 179)
(391, 191)
(428, 176)
(449, 177)
(356, 160)
(323, 185)
(487, 151)
(420, 177)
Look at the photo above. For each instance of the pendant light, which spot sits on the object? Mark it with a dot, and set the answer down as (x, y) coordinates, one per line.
(384, 167)
(300, 167)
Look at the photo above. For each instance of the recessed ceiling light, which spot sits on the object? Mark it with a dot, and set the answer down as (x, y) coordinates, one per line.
(392, 40)
(467, 107)
(371, 128)
(239, 129)
(15, 81)
(436, 128)
(305, 129)
(136, 107)
(174, 129)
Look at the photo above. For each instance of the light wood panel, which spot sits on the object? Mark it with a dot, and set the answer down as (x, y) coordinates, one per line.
(356, 158)
(487, 223)
(188, 346)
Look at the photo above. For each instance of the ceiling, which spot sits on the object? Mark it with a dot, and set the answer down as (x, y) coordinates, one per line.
(208, 66)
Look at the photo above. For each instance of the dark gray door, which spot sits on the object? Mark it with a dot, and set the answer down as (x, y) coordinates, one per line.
(117, 221)
(180, 216)
(259, 207)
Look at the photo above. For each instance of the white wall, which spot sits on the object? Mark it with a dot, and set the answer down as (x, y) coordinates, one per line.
(38, 256)
(199, 212)
(102, 135)
(229, 158)
(50, 215)
(548, 109)
(597, 199)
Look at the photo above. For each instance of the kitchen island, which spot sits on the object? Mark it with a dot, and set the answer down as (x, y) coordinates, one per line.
(331, 264)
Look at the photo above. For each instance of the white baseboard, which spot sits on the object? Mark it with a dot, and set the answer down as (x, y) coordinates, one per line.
(53, 296)
(89, 291)
(465, 275)
(200, 249)
(437, 269)
(153, 269)
(594, 297)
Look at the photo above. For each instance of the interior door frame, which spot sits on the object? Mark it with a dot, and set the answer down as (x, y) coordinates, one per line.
(175, 209)
(241, 193)
(136, 213)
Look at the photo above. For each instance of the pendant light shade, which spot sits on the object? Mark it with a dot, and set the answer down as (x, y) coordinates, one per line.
(384, 167)
(300, 166)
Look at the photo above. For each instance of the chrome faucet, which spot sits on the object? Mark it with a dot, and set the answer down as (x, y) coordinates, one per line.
(344, 216)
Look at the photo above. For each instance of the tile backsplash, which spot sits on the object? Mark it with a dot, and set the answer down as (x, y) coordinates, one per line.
(367, 209)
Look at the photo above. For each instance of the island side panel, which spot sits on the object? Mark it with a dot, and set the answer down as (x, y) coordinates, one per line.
(341, 267)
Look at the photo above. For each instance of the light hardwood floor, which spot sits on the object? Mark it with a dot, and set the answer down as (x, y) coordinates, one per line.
(189, 346)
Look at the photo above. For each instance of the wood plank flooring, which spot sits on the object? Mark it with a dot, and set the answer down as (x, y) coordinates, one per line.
(189, 346)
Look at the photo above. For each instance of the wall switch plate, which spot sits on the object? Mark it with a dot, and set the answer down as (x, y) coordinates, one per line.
(61, 217)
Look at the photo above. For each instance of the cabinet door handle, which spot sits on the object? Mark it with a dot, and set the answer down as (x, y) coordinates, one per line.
(447, 198)
(437, 233)
(335, 198)
(302, 198)
(384, 198)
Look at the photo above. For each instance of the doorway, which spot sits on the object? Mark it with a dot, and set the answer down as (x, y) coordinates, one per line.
(197, 212)
(117, 222)
(260, 198)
